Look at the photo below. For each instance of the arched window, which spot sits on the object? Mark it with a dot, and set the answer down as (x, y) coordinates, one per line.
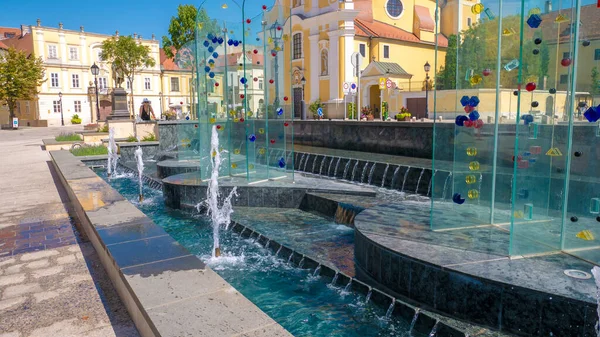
(297, 45)
(324, 62)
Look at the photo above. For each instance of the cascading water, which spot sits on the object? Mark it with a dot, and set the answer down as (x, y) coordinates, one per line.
(414, 320)
(419, 181)
(346, 169)
(364, 173)
(387, 167)
(315, 165)
(219, 215)
(448, 178)
(113, 157)
(335, 277)
(434, 329)
(404, 180)
(348, 286)
(139, 155)
(301, 264)
(321, 167)
(301, 160)
(306, 163)
(290, 258)
(371, 173)
(368, 298)
(596, 273)
(390, 310)
(395, 177)
(317, 271)
(278, 250)
(329, 168)
(430, 180)
(336, 167)
(354, 171)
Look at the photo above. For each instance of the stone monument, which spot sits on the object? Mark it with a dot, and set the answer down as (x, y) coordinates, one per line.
(120, 108)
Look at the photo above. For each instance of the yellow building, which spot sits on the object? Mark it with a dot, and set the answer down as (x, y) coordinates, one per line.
(394, 38)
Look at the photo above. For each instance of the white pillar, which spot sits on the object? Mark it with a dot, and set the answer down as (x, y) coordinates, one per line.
(348, 50)
(83, 49)
(315, 65)
(334, 83)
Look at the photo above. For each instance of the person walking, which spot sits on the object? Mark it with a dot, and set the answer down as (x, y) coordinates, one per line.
(146, 111)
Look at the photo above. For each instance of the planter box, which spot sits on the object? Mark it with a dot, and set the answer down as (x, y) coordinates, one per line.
(53, 145)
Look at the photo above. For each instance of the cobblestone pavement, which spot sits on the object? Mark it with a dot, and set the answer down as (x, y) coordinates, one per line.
(51, 280)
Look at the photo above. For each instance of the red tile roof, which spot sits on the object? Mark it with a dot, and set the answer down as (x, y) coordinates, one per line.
(589, 29)
(3, 46)
(24, 43)
(383, 30)
(232, 59)
(168, 63)
(6, 32)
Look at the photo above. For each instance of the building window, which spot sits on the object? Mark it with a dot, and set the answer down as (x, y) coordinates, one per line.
(297, 46)
(174, 84)
(9, 35)
(564, 79)
(77, 106)
(469, 22)
(597, 55)
(75, 81)
(54, 80)
(73, 55)
(99, 56)
(102, 83)
(147, 84)
(56, 106)
(324, 62)
(362, 49)
(386, 52)
(27, 107)
(394, 8)
(128, 84)
(260, 84)
(52, 53)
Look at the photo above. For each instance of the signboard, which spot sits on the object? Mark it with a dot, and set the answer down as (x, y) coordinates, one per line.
(353, 88)
(388, 83)
(320, 112)
(382, 81)
(15, 123)
(346, 87)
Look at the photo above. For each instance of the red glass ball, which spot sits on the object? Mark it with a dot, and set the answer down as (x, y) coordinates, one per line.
(264, 7)
(272, 141)
(274, 54)
(286, 124)
(285, 98)
(278, 27)
(180, 103)
(478, 124)
(271, 81)
(255, 79)
(248, 20)
(486, 72)
(242, 96)
(242, 120)
(218, 127)
(565, 62)
(216, 84)
(468, 124)
(255, 51)
(530, 86)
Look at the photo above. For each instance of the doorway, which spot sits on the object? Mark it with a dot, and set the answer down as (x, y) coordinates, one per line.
(416, 106)
(375, 100)
(297, 102)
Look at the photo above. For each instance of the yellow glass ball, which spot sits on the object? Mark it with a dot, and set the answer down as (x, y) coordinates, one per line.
(250, 166)
(232, 112)
(261, 131)
(235, 120)
(214, 153)
(477, 8)
(236, 151)
(212, 120)
(519, 214)
(261, 150)
(250, 113)
(474, 166)
(471, 151)
(473, 194)
(470, 179)
(475, 79)
(234, 165)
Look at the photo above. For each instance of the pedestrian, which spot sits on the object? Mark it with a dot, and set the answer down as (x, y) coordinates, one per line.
(146, 111)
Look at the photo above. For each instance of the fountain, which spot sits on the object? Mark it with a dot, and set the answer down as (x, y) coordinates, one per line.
(368, 298)
(140, 166)
(354, 171)
(335, 277)
(596, 273)
(113, 156)
(364, 173)
(371, 174)
(317, 270)
(404, 180)
(385, 171)
(346, 169)
(390, 310)
(348, 286)
(419, 181)
(321, 167)
(395, 176)
(329, 168)
(336, 167)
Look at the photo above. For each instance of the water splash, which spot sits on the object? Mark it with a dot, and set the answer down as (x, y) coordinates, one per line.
(268, 243)
(368, 298)
(301, 160)
(329, 168)
(596, 273)
(301, 263)
(278, 250)
(419, 181)
(335, 277)
(371, 173)
(113, 156)
(321, 167)
(346, 169)
(448, 178)
(364, 173)
(317, 271)
(290, 258)
(348, 286)
(354, 171)
(388, 313)
(430, 180)
(395, 176)
(434, 329)
(314, 166)
(336, 167)
(306, 163)
(414, 320)
(219, 215)
(387, 167)
(139, 157)
(404, 180)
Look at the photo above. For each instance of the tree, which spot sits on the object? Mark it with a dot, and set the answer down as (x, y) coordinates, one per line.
(182, 28)
(595, 74)
(20, 77)
(127, 57)
(446, 77)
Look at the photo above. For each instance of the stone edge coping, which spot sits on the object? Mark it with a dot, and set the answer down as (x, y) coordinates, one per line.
(391, 123)
(52, 141)
(133, 144)
(178, 122)
(158, 280)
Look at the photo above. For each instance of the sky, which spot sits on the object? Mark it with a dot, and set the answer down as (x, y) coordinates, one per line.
(127, 16)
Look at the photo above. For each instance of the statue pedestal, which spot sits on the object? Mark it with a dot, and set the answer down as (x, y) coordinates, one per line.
(119, 105)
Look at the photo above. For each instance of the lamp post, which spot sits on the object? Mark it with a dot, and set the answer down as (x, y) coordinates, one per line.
(427, 68)
(95, 71)
(62, 120)
(276, 32)
(303, 110)
(160, 97)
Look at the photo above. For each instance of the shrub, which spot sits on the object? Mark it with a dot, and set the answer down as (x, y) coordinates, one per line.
(75, 119)
(131, 139)
(314, 106)
(67, 137)
(90, 150)
(150, 137)
(104, 128)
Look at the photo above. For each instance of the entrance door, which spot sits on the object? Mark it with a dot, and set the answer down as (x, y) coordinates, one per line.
(297, 102)
(416, 106)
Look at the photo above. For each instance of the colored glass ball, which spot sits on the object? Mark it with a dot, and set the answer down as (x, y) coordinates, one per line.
(274, 54)
(565, 62)
(535, 104)
(574, 219)
(516, 92)
(242, 96)
(285, 98)
(216, 84)
(286, 124)
(586, 43)
(255, 79)
(272, 141)
(537, 41)
(264, 7)
(218, 127)
(278, 27)
(552, 91)
(577, 153)
(271, 81)
(248, 20)
(530, 86)
(486, 72)
(255, 51)
(241, 120)
(536, 51)
(252, 138)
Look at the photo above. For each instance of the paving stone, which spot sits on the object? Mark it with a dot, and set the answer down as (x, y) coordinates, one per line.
(38, 255)
(11, 302)
(7, 262)
(12, 279)
(21, 289)
(73, 279)
(46, 295)
(6, 225)
(14, 269)
(66, 259)
(47, 272)
(11, 334)
(38, 264)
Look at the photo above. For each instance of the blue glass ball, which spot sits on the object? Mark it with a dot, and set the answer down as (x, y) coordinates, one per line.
(230, 42)
(215, 55)
(235, 43)
(207, 69)
(252, 138)
(243, 80)
(206, 43)
(211, 49)
(280, 111)
(281, 163)
(220, 40)
(211, 75)
(215, 40)
(209, 36)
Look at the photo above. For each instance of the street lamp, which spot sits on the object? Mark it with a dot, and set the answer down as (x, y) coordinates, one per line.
(427, 68)
(62, 120)
(303, 111)
(95, 71)
(276, 32)
(160, 97)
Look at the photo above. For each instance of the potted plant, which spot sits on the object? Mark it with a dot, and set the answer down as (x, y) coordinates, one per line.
(403, 115)
(314, 108)
(366, 113)
(386, 110)
(75, 119)
(170, 115)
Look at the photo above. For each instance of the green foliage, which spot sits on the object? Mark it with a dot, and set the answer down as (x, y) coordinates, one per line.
(90, 150)
(75, 119)
(67, 137)
(595, 75)
(127, 57)
(150, 137)
(20, 77)
(131, 139)
(351, 110)
(314, 106)
(182, 28)
(446, 77)
(385, 110)
(404, 114)
(104, 128)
